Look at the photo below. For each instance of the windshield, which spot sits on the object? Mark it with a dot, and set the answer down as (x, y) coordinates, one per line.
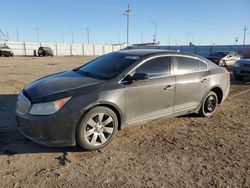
(108, 66)
(219, 54)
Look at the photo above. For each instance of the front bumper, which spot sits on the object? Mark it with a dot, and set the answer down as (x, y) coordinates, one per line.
(52, 130)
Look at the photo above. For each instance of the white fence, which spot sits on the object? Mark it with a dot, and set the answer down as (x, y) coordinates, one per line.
(67, 49)
(62, 49)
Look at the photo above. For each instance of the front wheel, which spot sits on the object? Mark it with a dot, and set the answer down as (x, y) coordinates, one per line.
(97, 128)
(209, 104)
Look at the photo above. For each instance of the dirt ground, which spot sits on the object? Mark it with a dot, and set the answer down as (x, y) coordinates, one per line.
(177, 152)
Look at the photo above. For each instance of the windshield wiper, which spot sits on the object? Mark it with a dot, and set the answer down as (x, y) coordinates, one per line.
(89, 74)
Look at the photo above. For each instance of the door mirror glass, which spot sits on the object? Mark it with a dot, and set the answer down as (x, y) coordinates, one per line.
(140, 76)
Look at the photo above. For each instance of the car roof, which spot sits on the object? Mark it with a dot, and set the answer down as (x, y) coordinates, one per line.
(146, 52)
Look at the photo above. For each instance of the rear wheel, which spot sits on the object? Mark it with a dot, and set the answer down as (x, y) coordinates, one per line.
(209, 104)
(97, 128)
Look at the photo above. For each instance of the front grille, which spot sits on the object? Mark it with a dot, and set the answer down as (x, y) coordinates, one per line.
(23, 104)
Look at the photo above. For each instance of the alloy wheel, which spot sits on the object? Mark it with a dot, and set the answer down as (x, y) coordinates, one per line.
(99, 129)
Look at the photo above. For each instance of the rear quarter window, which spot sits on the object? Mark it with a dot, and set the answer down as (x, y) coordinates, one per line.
(202, 65)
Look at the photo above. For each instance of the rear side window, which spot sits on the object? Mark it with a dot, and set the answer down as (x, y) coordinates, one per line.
(202, 66)
(156, 67)
(186, 65)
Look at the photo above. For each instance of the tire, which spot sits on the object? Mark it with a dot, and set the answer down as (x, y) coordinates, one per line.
(97, 128)
(238, 77)
(209, 104)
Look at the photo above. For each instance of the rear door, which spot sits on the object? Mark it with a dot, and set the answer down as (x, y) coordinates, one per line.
(153, 97)
(192, 77)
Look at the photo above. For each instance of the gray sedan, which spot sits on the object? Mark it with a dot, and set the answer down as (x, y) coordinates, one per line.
(89, 104)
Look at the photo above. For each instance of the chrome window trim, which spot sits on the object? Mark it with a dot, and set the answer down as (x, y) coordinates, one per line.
(172, 71)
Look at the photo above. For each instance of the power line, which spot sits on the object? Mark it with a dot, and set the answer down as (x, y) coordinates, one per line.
(4, 37)
(128, 14)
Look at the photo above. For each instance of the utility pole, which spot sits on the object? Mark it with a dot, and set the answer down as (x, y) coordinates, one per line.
(87, 34)
(128, 14)
(17, 35)
(37, 37)
(244, 38)
(155, 35)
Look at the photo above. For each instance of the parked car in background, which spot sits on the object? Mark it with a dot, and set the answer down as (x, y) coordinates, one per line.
(89, 104)
(45, 51)
(224, 58)
(6, 51)
(241, 69)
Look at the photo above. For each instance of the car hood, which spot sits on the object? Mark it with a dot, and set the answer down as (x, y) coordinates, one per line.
(61, 85)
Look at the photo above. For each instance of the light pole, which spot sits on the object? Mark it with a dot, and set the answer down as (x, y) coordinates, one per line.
(128, 14)
(244, 37)
(188, 36)
(37, 34)
(87, 34)
(17, 35)
(72, 36)
(155, 35)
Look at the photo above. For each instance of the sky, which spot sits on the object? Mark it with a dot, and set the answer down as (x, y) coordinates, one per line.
(178, 22)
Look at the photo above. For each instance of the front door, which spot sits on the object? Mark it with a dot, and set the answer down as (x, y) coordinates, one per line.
(152, 98)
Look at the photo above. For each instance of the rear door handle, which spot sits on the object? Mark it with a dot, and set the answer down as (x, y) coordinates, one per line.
(169, 87)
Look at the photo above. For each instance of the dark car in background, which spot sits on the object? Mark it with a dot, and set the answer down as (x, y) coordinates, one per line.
(6, 51)
(89, 104)
(224, 58)
(241, 69)
(45, 51)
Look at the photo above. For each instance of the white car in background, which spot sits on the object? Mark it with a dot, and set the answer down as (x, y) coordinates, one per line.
(224, 58)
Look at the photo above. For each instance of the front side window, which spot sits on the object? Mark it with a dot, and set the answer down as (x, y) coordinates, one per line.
(186, 65)
(156, 67)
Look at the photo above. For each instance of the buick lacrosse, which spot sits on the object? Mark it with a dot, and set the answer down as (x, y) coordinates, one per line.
(89, 104)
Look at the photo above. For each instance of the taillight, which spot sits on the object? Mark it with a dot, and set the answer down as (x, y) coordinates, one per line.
(228, 75)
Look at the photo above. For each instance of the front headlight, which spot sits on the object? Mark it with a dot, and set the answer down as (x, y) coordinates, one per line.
(237, 64)
(48, 108)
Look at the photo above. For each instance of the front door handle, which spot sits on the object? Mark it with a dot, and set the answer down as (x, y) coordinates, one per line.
(169, 87)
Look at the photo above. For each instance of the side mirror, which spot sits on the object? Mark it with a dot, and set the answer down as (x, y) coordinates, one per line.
(137, 76)
(140, 76)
